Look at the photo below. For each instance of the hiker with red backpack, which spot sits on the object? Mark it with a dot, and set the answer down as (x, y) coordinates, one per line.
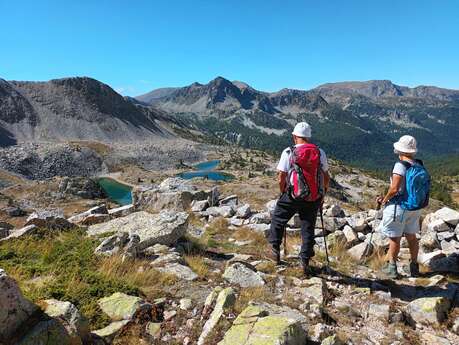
(303, 182)
(407, 195)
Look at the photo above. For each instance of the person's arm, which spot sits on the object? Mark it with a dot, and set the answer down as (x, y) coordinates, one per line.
(282, 179)
(395, 185)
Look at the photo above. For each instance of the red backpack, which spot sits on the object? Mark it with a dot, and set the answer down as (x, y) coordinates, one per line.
(304, 177)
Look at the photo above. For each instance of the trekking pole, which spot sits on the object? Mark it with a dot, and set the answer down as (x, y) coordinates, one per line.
(325, 237)
(285, 241)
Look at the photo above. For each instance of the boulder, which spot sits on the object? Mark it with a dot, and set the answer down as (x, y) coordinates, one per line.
(243, 275)
(95, 219)
(447, 264)
(14, 211)
(76, 325)
(186, 303)
(243, 211)
(426, 258)
(179, 270)
(314, 288)
(334, 211)
(222, 211)
(97, 210)
(27, 230)
(268, 325)
(261, 228)
(438, 225)
(449, 247)
(83, 187)
(199, 205)
(429, 241)
(120, 306)
(360, 251)
(261, 218)
(226, 299)
(113, 244)
(445, 235)
(358, 221)
(51, 219)
(121, 211)
(350, 235)
(14, 308)
(448, 215)
(428, 310)
(455, 327)
(335, 239)
(4, 233)
(231, 200)
(111, 331)
(237, 221)
(49, 332)
(164, 228)
(332, 340)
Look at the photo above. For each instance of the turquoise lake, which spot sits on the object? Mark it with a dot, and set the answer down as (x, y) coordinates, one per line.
(206, 170)
(116, 192)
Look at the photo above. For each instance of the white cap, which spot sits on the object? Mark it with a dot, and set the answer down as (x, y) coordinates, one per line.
(406, 144)
(302, 129)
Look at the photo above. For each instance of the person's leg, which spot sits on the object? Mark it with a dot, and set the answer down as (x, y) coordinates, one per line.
(394, 249)
(308, 216)
(413, 244)
(283, 211)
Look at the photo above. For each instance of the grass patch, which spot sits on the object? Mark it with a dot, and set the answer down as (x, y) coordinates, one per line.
(198, 265)
(246, 295)
(63, 266)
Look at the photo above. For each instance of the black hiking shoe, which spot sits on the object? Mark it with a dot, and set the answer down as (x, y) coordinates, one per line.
(273, 254)
(414, 269)
(307, 270)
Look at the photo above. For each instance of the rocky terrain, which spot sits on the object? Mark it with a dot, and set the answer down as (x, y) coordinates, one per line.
(184, 264)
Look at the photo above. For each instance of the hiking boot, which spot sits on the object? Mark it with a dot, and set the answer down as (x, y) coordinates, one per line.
(307, 270)
(390, 270)
(414, 269)
(273, 254)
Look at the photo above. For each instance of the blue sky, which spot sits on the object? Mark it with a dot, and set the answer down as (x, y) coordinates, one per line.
(136, 46)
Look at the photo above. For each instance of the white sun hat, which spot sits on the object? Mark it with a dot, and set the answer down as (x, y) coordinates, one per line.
(406, 144)
(302, 129)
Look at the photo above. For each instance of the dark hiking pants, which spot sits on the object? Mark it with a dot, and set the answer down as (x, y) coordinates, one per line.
(286, 208)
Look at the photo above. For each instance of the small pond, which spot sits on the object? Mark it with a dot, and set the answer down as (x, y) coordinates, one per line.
(116, 191)
(206, 170)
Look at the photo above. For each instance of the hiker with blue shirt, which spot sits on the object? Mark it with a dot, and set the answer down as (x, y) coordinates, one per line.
(407, 195)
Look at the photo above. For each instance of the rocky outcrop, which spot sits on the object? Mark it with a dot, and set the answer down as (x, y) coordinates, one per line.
(120, 306)
(244, 275)
(267, 324)
(15, 310)
(429, 310)
(50, 219)
(164, 228)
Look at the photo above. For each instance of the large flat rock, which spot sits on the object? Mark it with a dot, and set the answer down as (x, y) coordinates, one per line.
(165, 227)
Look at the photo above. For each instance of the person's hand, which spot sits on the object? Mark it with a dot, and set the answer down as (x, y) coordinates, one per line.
(379, 199)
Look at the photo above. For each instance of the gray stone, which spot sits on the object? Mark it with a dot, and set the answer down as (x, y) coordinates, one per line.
(237, 221)
(445, 235)
(270, 206)
(231, 200)
(334, 211)
(51, 219)
(14, 308)
(120, 306)
(199, 205)
(113, 244)
(243, 211)
(358, 221)
(4, 233)
(76, 325)
(14, 211)
(49, 332)
(361, 250)
(448, 215)
(243, 275)
(428, 310)
(332, 340)
(429, 241)
(121, 211)
(180, 271)
(438, 225)
(261, 218)
(226, 299)
(27, 230)
(111, 331)
(455, 327)
(163, 228)
(429, 338)
(267, 324)
(314, 288)
(426, 258)
(351, 236)
(262, 228)
(167, 258)
(222, 211)
(449, 247)
(186, 304)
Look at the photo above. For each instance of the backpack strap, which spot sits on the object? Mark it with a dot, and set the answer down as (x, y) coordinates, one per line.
(406, 164)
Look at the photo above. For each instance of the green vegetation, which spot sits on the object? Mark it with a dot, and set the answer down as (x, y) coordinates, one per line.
(62, 266)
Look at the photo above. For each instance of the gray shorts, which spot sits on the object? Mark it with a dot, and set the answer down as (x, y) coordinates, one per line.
(404, 222)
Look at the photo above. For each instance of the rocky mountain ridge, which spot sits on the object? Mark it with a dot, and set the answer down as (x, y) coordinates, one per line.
(77, 108)
(370, 116)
